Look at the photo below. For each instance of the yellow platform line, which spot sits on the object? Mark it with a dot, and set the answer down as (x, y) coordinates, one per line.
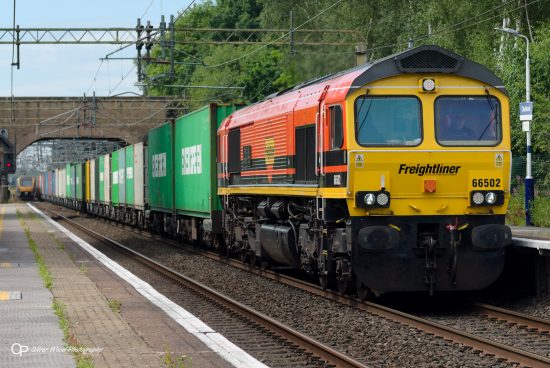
(10, 295)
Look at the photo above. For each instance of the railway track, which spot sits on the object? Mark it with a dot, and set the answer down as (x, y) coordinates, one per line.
(485, 345)
(520, 319)
(327, 353)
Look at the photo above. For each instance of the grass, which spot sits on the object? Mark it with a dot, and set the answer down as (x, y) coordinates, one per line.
(43, 271)
(516, 208)
(82, 361)
(539, 210)
(115, 305)
(59, 310)
(171, 360)
(83, 268)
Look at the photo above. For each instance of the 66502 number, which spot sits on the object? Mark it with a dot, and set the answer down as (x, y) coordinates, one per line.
(485, 183)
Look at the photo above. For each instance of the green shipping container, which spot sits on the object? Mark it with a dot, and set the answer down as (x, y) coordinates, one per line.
(195, 163)
(80, 181)
(122, 176)
(101, 178)
(68, 182)
(130, 176)
(114, 178)
(160, 168)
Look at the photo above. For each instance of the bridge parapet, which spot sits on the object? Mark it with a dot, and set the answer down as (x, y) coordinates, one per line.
(30, 119)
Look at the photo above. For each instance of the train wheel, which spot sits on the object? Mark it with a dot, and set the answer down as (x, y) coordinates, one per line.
(253, 259)
(363, 292)
(343, 284)
(323, 280)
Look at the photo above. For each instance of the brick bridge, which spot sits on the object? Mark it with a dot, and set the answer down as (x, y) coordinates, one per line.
(30, 119)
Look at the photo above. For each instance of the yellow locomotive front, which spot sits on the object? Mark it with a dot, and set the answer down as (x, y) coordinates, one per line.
(428, 177)
(25, 187)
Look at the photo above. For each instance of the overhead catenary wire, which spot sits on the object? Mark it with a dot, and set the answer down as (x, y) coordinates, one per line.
(123, 77)
(94, 79)
(272, 42)
(454, 27)
(147, 9)
(151, 35)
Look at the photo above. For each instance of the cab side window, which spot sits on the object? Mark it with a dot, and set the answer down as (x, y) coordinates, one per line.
(336, 127)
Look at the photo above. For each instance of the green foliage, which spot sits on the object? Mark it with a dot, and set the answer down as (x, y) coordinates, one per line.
(43, 271)
(115, 305)
(516, 207)
(82, 360)
(466, 27)
(541, 208)
(171, 360)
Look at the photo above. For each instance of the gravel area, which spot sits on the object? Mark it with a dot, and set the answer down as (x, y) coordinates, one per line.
(535, 306)
(507, 333)
(376, 341)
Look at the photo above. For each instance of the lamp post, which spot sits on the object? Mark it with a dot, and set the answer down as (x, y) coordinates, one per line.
(529, 181)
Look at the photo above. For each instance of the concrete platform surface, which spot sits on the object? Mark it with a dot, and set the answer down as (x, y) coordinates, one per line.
(147, 324)
(30, 335)
(531, 231)
(531, 237)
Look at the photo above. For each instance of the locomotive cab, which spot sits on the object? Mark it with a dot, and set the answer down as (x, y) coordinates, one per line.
(429, 178)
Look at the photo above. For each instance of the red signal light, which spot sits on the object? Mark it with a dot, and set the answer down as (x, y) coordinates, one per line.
(8, 164)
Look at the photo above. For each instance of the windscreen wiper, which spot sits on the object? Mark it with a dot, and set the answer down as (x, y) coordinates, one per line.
(493, 113)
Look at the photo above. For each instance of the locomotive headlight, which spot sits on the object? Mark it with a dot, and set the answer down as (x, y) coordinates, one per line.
(370, 199)
(490, 198)
(478, 198)
(428, 85)
(374, 199)
(382, 199)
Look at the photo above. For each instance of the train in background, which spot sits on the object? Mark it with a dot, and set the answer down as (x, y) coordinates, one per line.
(26, 188)
(392, 176)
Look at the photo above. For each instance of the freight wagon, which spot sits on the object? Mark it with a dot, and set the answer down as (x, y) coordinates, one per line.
(182, 185)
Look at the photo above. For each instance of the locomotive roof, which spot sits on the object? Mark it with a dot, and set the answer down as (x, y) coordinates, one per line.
(421, 59)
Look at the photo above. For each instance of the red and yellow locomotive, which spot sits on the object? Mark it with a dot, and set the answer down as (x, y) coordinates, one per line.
(392, 176)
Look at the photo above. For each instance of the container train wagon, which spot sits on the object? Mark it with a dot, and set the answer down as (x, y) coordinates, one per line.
(391, 176)
(135, 184)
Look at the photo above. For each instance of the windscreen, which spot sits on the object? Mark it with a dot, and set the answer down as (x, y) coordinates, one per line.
(468, 121)
(26, 182)
(388, 121)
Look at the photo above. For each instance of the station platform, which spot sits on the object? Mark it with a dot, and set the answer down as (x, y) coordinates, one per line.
(147, 329)
(531, 237)
(27, 319)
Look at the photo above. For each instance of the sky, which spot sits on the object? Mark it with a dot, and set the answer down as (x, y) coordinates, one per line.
(69, 70)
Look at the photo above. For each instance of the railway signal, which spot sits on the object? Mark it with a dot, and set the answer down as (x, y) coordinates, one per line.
(7, 160)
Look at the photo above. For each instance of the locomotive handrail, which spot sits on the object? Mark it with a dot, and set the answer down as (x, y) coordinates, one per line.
(322, 124)
(317, 158)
